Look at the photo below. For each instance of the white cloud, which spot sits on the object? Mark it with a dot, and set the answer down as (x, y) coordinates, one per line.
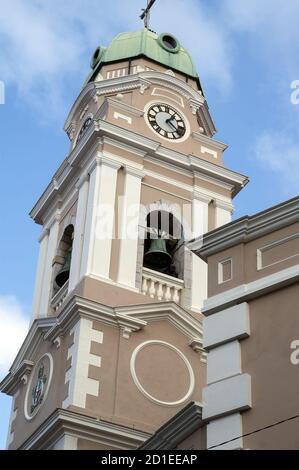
(14, 327)
(203, 34)
(44, 43)
(271, 27)
(279, 153)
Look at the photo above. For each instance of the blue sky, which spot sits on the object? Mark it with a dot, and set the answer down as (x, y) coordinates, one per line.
(246, 52)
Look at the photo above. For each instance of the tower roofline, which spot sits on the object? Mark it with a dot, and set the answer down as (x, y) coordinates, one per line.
(164, 49)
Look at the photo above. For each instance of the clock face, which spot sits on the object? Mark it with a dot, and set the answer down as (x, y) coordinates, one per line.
(166, 121)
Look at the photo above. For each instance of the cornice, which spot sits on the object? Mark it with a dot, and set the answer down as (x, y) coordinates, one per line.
(123, 146)
(252, 290)
(11, 381)
(201, 196)
(128, 319)
(237, 180)
(78, 307)
(177, 429)
(133, 171)
(122, 105)
(141, 81)
(247, 228)
(164, 79)
(83, 98)
(206, 119)
(170, 311)
(214, 181)
(66, 421)
(203, 139)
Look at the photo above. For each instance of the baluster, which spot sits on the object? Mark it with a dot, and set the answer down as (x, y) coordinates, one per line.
(152, 290)
(144, 286)
(160, 291)
(176, 297)
(167, 294)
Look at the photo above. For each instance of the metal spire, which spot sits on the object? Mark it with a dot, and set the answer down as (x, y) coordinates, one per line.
(146, 13)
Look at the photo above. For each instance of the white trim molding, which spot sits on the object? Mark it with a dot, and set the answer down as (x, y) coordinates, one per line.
(279, 242)
(224, 361)
(247, 229)
(228, 390)
(227, 325)
(251, 290)
(28, 416)
(224, 433)
(227, 396)
(80, 385)
(221, 279)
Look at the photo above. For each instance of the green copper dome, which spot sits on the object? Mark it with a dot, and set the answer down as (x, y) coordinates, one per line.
(164, 49)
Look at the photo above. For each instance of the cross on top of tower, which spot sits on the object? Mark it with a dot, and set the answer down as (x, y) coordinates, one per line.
(146, 13)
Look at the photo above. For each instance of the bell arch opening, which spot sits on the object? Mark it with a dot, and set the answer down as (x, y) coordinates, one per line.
(164, 244)
(62, 262)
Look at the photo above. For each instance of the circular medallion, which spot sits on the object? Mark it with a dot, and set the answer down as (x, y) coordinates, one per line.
(38, 386)
(162, 373)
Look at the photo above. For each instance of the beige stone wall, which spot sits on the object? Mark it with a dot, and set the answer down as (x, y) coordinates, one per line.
(161, 372)
(252, 342)
(266, 357)
(279, 250)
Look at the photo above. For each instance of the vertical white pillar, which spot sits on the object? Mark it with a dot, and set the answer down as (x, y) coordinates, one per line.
(43, 240)
(200, 223)
(100, 218)
(129, 227)
(82, 187)
(224, 212)
(47, 280)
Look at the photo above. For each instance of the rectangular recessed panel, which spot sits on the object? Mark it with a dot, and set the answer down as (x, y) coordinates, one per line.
(277, 252)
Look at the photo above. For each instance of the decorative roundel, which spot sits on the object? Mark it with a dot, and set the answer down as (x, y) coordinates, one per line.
(149, 353)
(166, 121)
(169, 43)
(38, 386)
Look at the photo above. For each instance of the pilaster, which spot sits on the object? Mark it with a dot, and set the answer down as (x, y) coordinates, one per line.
(100, 218)
(129, 227)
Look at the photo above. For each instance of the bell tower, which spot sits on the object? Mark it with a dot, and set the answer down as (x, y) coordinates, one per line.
(115, 345)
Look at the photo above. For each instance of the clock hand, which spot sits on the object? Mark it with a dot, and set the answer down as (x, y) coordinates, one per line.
(169, 121)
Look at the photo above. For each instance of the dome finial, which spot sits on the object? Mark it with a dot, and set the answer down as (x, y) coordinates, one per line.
(146, 13)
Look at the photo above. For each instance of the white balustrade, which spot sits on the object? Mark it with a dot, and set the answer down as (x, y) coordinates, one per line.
(60, 297)
(161, 286)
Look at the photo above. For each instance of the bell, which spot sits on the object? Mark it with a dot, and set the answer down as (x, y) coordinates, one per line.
(157, 257)
(64, 274)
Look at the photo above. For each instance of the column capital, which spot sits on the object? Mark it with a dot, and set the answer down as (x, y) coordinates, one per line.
(83, 178)
(56, 218)
(199, 196)
(133, 171)
(45, 233)
(101, 160)
(226, 205)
